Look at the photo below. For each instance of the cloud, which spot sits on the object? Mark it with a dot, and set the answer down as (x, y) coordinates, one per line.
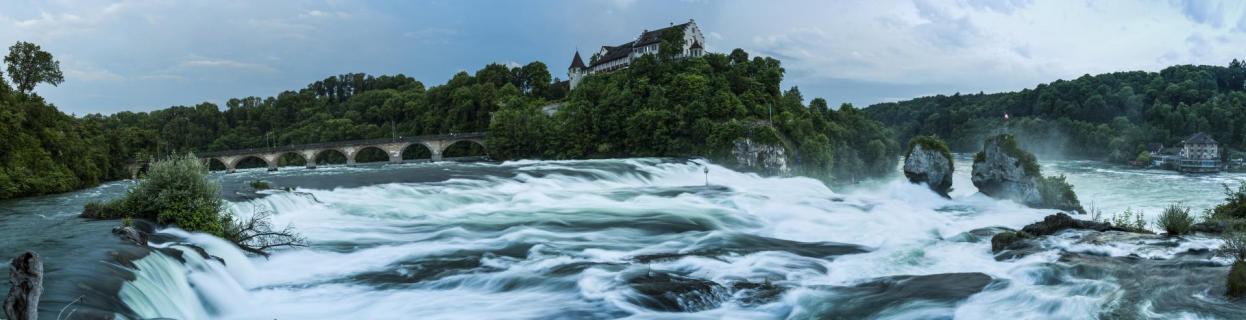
(199, 62)
(80, 71)
(433, 35)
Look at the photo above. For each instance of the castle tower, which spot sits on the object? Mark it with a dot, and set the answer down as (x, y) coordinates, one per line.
(577, 71)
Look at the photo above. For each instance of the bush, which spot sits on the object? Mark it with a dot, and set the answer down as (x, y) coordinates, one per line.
(175, 191)
(260, 185)
(1176, 220)
(1236, 283)
(1130, 220)
(1234, 206)
(1058, 193)
(1234, 245)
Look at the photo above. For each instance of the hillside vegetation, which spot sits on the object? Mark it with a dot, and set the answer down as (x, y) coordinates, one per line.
(658, 107)
(1109, 116)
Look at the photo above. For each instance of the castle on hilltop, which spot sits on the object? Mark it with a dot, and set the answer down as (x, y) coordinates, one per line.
(612, 58)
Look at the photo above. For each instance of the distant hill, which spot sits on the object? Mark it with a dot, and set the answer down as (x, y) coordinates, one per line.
(1109, 116)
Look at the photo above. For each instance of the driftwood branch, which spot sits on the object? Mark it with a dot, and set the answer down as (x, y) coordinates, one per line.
(256, 235)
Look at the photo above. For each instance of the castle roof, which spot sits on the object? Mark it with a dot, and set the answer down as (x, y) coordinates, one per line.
(615, 52)
(655, 36)
(576, 62)
(1199, 138)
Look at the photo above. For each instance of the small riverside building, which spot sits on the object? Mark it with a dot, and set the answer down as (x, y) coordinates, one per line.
(1199, 154)
(611, 58)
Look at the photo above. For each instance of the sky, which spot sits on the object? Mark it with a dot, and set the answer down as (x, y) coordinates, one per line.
(145, 55)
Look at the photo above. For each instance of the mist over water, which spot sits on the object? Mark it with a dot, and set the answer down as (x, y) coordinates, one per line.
(647, 238)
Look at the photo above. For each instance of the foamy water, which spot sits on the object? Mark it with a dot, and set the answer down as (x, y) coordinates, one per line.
(551, 240)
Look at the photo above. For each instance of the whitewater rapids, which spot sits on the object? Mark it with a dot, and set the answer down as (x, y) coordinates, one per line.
(572, 240)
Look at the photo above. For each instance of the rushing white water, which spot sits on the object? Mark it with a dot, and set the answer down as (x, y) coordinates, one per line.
(567, 240)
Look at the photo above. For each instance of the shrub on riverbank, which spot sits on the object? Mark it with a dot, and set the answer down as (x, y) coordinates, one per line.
(176, 191)
(1176, 220)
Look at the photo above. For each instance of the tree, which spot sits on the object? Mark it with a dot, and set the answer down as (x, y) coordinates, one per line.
(30, 65)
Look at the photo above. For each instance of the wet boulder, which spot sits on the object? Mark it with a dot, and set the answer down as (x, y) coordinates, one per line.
(929, 161)
(883, 297)
(26, 276)
(1055, 223)
(1002, 170)
(1009, 240)
(130, 234)
(670, 292)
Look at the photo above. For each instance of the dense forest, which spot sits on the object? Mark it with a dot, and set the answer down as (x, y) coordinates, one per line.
(660, 106)
(697, 106)
(1109, 116)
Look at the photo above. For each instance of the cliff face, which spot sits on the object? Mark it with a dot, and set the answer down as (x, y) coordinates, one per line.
(929, 166)
(764, 158)
(1004, 171)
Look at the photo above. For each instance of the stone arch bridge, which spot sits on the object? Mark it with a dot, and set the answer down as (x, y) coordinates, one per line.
(436, 145)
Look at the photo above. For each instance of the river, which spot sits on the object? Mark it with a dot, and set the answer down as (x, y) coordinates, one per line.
(639, 238)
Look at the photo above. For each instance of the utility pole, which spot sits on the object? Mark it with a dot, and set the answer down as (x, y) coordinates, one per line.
(770, 112)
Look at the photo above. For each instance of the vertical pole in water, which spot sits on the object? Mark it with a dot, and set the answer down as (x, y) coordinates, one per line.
(707, 175)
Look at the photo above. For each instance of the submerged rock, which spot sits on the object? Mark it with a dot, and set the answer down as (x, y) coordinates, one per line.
(26, 276)
(669, 292)
(885, 295)
(1003, 171)
(929, 161)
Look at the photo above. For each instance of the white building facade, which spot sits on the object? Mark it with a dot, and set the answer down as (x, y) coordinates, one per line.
(611, 58)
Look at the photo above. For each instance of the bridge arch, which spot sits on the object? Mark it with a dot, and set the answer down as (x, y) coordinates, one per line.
(373, 153)
(329, 156)
(457, 148)
(232, 165)
(215, 164)
(285, 158)
(413, 152)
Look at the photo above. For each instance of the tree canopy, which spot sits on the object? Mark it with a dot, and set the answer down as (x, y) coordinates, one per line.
(29, 65)
(1109, 116)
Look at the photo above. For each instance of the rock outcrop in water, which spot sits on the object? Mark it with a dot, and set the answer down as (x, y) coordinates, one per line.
(26, 276)
(767, 158)
(1020, 242)
(1003, 171)
(929, 161)
(873, 299)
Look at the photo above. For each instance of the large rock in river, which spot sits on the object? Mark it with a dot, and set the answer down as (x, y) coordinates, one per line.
(929, 161)
(1003, 171)
(26, 275)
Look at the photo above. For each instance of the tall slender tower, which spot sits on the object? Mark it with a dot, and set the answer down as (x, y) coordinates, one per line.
(577, 71)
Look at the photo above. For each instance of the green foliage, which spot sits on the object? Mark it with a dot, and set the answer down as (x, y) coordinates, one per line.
(1235, 285)
(931, 143)
(1029, 162)
(1176, 220)
(1108, 116)
(29, 65)
(1143, 157)
(1234, 244)
(1129, 220)
(1058, 193)
(175, 191)
(1234, 206)
(260, 185)
(697, 106)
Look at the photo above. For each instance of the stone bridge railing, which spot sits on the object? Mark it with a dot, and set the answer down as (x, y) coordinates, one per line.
(436, 145)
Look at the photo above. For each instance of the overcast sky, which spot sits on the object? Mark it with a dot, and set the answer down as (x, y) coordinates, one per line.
(145, 55)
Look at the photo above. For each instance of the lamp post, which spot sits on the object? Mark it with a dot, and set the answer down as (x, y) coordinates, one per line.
(707, 174)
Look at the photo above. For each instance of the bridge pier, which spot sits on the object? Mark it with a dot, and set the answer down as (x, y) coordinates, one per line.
(436, 156)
